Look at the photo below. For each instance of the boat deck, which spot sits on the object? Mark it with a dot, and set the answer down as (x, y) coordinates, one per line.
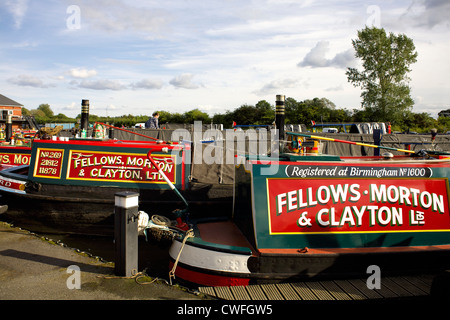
(224, 233)
(353, 289)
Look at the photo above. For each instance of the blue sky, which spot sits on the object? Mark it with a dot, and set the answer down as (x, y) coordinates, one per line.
(135, 57)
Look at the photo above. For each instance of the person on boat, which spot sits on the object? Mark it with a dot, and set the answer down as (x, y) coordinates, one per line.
(152, 123)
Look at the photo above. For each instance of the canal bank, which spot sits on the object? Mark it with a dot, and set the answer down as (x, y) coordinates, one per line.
(33, 268)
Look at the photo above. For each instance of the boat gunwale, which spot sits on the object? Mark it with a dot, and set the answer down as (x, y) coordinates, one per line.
(200, 243)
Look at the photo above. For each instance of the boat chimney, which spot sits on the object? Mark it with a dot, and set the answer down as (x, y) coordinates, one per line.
(279, 118)
(8, 128)
(84, 124)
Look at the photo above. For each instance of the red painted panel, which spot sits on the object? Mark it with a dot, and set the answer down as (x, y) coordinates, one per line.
(357, 205)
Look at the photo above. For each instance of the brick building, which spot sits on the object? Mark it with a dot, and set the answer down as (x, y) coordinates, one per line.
(13, 108)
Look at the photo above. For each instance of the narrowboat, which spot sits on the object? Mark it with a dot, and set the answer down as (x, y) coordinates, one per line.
(17, 155)
(303, 215)
(69, 184)
(16, 150)
(314, 215)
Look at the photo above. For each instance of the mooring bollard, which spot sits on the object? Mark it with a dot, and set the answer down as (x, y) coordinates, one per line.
(126, 233)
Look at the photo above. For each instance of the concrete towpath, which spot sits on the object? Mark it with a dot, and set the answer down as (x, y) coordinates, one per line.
(35, 269)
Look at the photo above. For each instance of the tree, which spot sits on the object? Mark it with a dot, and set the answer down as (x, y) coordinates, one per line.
(245, 115)
(196, 115)
(45, 107)
(319, 110)
(226, 119)
(386, 61)
(265, 112)
(26, 112)
(39, 115)
(443, 124)
(444, 113)
(418, 122)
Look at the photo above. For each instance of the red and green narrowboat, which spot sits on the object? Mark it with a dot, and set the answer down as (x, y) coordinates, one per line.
(69, 184)
(11, 156)
(308, 215)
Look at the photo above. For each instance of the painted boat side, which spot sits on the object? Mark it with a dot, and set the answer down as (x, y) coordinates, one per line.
(210, 264)
(302, 251)
(317, 204)
(108, 163)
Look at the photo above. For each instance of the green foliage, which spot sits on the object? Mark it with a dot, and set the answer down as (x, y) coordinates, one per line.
(196, 115)
(45, 108)
(443, 124)
(39, 115)
(263, 113)
(319, 110)
(418, 122)
(26, 112)
(386, 61)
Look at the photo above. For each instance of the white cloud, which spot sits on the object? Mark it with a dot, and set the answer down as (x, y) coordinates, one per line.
(316, 57)
(184, 81)
(344, 59)
(117, 16)
(72, 106)
(337, 88)
(82, 73)
(100, 85)
(427, 13)
(276, 85)
(18, 9)
(242, 50)
(29, 81)
(25, 44)
(148, 84)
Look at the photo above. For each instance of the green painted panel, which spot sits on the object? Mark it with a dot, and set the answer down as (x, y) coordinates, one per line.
(351, 205)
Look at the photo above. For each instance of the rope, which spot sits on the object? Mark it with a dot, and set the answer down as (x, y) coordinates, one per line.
(189, 234)
(161, 220)
(136, 276)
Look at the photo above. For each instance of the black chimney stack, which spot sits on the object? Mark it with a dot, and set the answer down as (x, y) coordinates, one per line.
(84, 124)
(280, 117)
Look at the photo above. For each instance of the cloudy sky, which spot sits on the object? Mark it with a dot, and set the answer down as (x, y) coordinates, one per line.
(137, 56)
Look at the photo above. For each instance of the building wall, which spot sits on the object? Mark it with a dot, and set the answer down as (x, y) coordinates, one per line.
(17, 111)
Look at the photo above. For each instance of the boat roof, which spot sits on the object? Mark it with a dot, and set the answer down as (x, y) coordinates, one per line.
(107, 143)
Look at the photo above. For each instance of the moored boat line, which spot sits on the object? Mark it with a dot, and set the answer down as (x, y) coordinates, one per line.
(338, 218)
(298, 215)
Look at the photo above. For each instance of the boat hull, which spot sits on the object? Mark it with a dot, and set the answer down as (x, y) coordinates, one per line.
(210, 264)
(90, 211)
(70, 186)
(325, 218)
